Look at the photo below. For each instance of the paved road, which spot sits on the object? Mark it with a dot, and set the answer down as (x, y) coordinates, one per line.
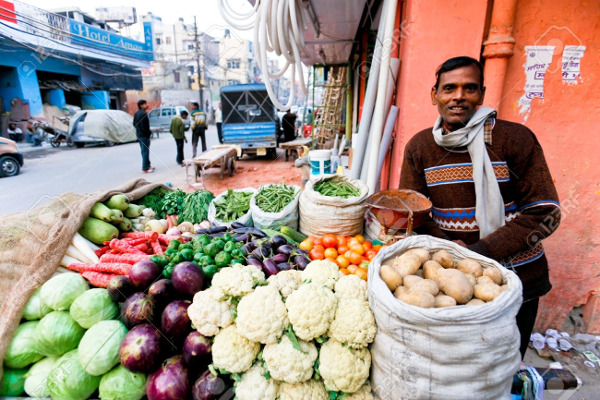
(49, 172)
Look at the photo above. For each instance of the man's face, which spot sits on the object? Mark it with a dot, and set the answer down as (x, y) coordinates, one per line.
(145, 106)
(458, 95)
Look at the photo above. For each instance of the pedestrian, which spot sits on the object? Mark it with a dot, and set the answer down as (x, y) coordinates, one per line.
(143, 133)
(488, 181)
(177, 129)
(219, 122)
(198, 128)
(15, 133)
(288, 122)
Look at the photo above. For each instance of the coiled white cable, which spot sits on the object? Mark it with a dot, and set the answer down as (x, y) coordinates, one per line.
(278, 27)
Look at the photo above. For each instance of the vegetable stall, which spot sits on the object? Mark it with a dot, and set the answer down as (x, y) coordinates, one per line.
(255, 293)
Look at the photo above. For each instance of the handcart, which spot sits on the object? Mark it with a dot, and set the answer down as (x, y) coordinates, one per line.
(293, 146)
(220, 156)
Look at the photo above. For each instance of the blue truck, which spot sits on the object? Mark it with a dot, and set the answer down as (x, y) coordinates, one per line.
(250, 119)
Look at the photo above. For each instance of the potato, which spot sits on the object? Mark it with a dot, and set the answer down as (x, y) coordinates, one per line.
(444, 258)
(484, 279)
(421, 253)
(426, 285)
(391, 278)
(455, 284)
(400, 290)
(419, 299)
(494, 274)
(475, 302)
(430, 269)
(504, 288)
(442, 300)
(471, 279)
(411, 280)
(470, 266)
(420, 273)
(407, 264)
(486, 291)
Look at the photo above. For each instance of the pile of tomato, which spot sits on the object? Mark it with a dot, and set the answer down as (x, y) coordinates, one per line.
(351, 253)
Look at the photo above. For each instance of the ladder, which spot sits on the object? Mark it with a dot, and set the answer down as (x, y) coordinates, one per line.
(329, 113)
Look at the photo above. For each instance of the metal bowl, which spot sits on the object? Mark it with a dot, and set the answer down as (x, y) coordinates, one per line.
(399, 208)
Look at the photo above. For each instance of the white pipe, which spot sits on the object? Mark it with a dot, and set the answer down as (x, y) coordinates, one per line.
(379, 113)
(355, 91)
(387, 138)
(367, 111)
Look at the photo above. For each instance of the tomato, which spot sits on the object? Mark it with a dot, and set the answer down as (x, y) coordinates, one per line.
(342, 249)
(367, 245)
(329, 240)
(319, 247)
(316, 254)
(317, 241)
(347, 254)
(361, 273)
(370, 254)
(360, 238)
(353, 242)
(333, 260)
(352, 268)
(355, 258)
(311, 238)
(377, 247)
(341, 241)
(357, 248)
(344, 271)
(331, 252)
(364, 264)
(342, 261)
(306, 245)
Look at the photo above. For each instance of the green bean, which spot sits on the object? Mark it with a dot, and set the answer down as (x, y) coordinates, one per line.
(336, 187)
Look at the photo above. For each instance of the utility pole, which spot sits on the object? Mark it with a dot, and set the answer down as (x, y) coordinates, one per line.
(198, 45)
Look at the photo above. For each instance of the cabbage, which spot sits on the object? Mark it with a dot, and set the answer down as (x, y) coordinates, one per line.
(99, 347)
(35, 382)
(68, 381)
(93, 306)
(58, 333)
(35, 309)
(12, 382)
(23, 349)
(121, 384)
(60, 291)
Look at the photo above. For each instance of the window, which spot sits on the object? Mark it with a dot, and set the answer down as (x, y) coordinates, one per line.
(158, 41)
(176, 77)
(233, 82)
(234, 63)
(153, 114)
(166, 112)
(190, 47)
(168, 40)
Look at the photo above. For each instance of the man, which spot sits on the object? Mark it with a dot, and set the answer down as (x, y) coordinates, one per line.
(488, 181)
(198, 128)
(177, 129)
(143, 133)
(15, 133)
(288, 122)
(219, 122)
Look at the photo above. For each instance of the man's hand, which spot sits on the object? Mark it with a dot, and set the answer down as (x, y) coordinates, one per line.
(460, 243)
(184, 139)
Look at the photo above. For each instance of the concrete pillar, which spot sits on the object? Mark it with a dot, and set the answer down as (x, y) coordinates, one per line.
(56, 97)
(95, 100)
(30, 88)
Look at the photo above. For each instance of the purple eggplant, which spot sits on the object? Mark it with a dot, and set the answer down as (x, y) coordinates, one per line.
(237, 224)
(284, 266)
(175, 322)
(261, 252)
(269, 267)
(120, 288)
(170, 381)
(196, 350)
(247, 249)
(302, 253)
(280, 258)
(254, 261)
(143, 273)
(140, 350)
(209, 387)
(243, 237)
(162, 293)
(187, 278)
(137, 309)
(300, 262)
(278, 240)
(285, 249)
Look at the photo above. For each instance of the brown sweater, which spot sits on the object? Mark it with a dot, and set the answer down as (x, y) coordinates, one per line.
(531, 202)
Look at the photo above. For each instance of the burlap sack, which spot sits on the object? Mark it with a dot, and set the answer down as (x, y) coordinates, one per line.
(32, 244)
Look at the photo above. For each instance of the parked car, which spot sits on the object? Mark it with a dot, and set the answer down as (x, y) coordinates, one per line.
(101, 127)
(160, 117)
(11, 160)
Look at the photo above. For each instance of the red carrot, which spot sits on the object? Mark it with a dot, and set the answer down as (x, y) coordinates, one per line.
(164, 239)
(102, 250)
(148, 235)
(157, 248)
(124, 258)
(142, 247)
(169, 222)
(124, 247)
(134, 242)
(97, 279)
(112, 268)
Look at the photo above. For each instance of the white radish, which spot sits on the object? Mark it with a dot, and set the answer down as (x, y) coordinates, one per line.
(82, 245)
(73, 252)
(68, 260)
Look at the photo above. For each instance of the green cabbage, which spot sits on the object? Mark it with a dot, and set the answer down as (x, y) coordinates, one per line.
(12, 382)
(93, 306)
(58, 333)
(35, 309)
(60, 291)
(68, 381)
(23, 350)
(121, 384)
(99, 347)
(35, 382)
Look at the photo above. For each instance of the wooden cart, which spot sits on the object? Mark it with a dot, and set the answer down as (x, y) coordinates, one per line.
(293, 146)
(221, 156)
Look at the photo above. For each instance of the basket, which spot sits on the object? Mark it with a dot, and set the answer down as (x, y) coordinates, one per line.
(399, 208)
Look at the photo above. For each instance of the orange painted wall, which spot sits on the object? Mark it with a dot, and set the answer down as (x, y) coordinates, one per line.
(567, 124)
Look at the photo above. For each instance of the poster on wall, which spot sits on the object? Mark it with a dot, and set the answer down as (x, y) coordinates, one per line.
(571, 63)
(538, 60)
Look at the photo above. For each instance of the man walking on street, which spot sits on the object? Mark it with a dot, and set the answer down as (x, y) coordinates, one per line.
(219, 122)
(177, 129)
(143, 133)
(198, 128)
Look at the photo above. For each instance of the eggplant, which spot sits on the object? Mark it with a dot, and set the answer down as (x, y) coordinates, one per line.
(187, 278)
(254, 261)
(214, 229)
(280, 258)
(237, 224)
(303, 253)
(247, 249)
(261, 252)
(269, 267)
(300, 262)
(120, 288)
(216, 234)
(140, 350)
(284, 266)
(253, 231)
(137, 309)
(286, 249)
(256, 242)
(243, 237)
(170, 381)
(162, 293)
(143, 273)
(196, 349)
(278, 240)
(175, 322)
(209, 387)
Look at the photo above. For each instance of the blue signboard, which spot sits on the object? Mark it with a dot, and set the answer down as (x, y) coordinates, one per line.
(148, 36)
(99, 38)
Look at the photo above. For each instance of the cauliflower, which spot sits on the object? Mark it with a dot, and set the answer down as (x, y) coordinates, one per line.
(351, 286)
(233, 352)
(287, 364)
(262, 316)
(342, 368)
(311, 309)
(254, 386)
(354, 323)
(364, 393)
(322, 271)
(286, 281)
(238, 280)
(208, 312)
(309, 390)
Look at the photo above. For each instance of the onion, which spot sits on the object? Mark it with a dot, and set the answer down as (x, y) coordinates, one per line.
(174, 232)
(186, 227)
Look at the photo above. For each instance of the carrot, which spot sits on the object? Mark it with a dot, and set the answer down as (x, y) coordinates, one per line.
(124, 258)
(97, 279)
(169, 222)
(134, 242)
(157, 248)
(142, 247)
(148, 235)
(124, 247)
(164, 239)
(102, 250)
(113, 268)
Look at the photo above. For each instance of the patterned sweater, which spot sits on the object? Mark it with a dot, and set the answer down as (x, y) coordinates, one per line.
(530, 199)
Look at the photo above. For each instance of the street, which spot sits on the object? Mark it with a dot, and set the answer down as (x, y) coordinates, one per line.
(49, 172)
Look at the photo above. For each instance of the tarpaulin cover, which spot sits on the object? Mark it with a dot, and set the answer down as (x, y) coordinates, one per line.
(113, 125)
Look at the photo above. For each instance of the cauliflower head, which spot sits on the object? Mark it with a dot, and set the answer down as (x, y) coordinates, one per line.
(351, 286)
(209, 312)
(255, 386)
(286, 281)
(238, 280)
(309, 390)
(354, 323)
(287, 364)
(261, 315)
(311, 309)
(364, 393)
(343, 368)
(323, 272)
(233, 352)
